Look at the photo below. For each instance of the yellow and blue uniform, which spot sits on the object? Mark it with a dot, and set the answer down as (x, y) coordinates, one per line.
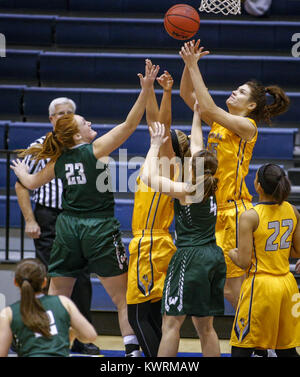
(152, 245)
(266, 315)
(233, 198)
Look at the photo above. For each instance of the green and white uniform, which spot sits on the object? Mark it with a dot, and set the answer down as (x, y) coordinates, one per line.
(196, 275)
(87, 233)
(30, 344)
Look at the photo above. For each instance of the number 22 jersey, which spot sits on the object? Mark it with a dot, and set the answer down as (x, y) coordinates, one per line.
(273, 238)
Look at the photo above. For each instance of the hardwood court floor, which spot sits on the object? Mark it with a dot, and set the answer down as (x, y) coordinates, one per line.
(115, 343)
(187, 345)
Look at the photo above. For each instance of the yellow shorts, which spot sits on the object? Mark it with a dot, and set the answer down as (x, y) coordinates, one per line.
(227, 231)
(148, 263)
(268, 314)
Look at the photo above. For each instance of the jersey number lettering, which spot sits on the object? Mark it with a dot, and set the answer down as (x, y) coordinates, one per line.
(271, 245)
(75, 174)
(53, 328)
(213, 206)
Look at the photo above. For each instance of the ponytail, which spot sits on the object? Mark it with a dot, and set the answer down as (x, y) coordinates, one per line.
(55, 142)
(264, 112)
(280, 104)
(30, 274)
(210, 168)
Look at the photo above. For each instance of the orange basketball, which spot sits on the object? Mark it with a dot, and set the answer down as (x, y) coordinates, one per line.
(182, 21)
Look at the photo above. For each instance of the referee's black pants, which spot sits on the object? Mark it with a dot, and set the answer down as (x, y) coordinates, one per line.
(82, 291)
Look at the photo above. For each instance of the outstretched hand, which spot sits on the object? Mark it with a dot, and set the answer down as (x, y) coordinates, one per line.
(157, 132)
(19, 167)
(166, 81)
(191, 52)
(151, 72)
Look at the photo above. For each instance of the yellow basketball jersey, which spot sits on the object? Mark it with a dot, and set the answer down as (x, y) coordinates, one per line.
(234, 155)
(152, 210)
(152, 246)
(273, 238)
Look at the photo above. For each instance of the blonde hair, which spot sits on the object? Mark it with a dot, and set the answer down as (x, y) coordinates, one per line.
(56, 141)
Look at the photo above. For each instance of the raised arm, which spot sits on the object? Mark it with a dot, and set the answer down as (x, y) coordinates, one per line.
(196, 141)
(165, 112)
(151, 172)
(209, 110)
(107, 143)
(33, 181)
(186, 84)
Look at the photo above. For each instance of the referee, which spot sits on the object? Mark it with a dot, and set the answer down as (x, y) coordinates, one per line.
(40, 223)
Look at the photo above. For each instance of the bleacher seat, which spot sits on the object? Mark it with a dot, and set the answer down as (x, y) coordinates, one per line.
(287, 7)
(102, 105)
(278, 7)
(11, 101)
(270, 137)
(126, 5)
(15, 212)
(4, 124)
(20, 29)
(225, 70)
(20, 134)
(150, 33)
(35, 4)
(3, 175)
(123, 212)
(294, 176)
(20, 63)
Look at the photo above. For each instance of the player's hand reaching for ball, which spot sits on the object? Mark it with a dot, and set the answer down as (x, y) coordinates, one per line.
(151, 72)
(157, 132)
(191, 52)
(166, 81)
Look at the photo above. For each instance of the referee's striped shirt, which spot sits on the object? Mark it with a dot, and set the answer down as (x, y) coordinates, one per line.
(50, 194)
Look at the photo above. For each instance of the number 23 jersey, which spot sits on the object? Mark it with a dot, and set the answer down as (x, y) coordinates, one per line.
(273, 238)
(86, 182)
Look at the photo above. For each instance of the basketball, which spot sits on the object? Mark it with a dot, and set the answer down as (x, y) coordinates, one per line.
(182, 21)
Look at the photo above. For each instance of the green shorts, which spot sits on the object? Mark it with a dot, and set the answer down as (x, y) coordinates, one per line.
(195, 281)
(92, 242)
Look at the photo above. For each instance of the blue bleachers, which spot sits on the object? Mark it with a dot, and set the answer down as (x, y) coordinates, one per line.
(143, 33)
(35, 4)
(149, 34)
(44, 68)
(21, 134)
(27, 29)
(104, 105)
(3, 133)
(228, 70)
(11, 101)
(278, 7)
(20, 63)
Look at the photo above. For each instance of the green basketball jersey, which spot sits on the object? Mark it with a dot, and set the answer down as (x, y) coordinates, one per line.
(195, 223)
(30, 344)
(86, 183)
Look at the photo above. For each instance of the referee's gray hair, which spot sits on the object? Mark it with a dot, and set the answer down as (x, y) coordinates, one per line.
(61, 101)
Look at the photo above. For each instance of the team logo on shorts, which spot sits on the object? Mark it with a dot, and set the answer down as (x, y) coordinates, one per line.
(120, 251)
